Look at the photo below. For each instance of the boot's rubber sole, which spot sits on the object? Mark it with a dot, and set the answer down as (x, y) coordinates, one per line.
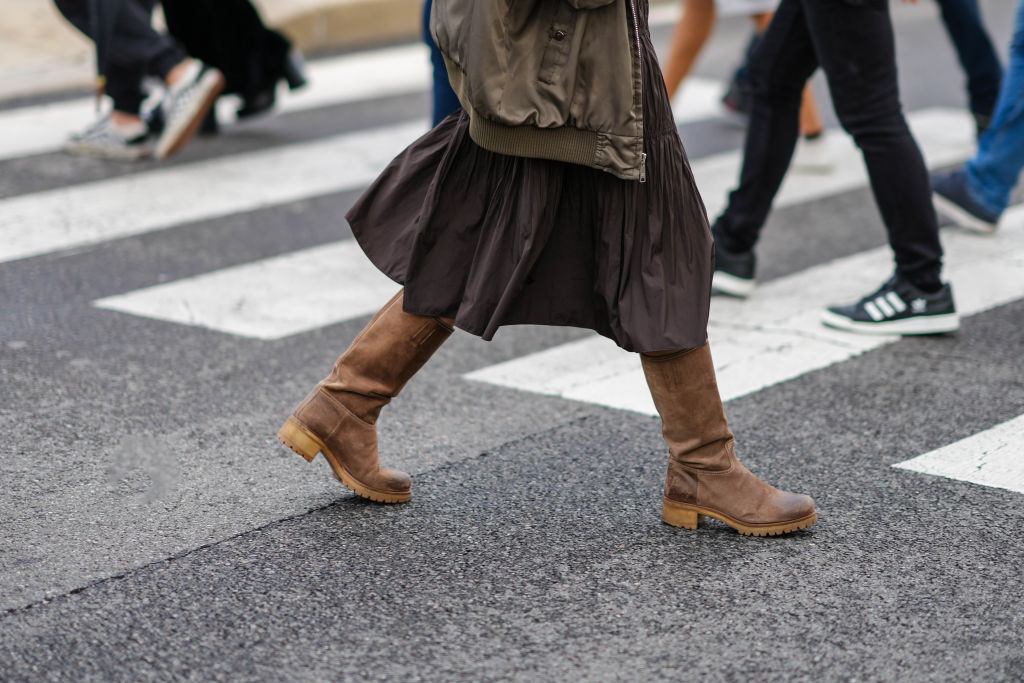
(690, 516)
(305, 443)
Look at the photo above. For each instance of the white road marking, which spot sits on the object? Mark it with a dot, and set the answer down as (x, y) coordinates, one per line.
(776, 335)
(355, 77)
(92, 213)
(201, 300)
(269, 299)
(989, 458)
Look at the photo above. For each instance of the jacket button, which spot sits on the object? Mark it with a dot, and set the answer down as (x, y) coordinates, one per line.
(558, 34)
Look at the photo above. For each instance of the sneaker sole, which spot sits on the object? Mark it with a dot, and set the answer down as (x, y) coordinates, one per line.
(175, 137)
(101, 153)
(929, 324)
(963, 218)
(724, 283)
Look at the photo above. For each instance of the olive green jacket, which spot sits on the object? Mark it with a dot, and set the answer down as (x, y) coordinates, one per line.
(551, 79)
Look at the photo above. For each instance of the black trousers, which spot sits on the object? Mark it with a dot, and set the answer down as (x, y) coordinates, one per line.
(853, 42)
(230, 35)
(136, 51)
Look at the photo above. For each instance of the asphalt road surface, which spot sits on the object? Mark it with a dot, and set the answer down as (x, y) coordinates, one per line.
(156, 329)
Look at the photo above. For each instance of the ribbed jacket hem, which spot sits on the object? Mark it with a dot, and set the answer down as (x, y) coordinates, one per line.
(572, 145)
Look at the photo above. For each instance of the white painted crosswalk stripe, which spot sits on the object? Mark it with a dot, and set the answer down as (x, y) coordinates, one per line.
(776, 335)
(203, 297)
(110, 209)
(95, 212)
(272, 298)
(990, 458)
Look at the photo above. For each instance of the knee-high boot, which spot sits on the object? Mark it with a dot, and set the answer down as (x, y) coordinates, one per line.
(339, 416)
(704, 477)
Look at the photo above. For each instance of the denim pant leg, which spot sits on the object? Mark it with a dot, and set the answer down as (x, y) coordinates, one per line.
(444, 98)
(855, 44)
(778, 69)
(977, 55)
(995, 169)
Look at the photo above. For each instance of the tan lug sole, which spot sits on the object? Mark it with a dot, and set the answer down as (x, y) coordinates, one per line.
(690, 516)
(305, 443)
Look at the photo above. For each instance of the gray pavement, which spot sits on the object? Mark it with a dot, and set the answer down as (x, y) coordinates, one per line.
(152, 528)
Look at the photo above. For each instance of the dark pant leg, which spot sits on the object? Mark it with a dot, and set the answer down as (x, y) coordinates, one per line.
(976, 53)
(779, 68)
(444, 100)
(136, 49)
(856, 48)
(230, 35)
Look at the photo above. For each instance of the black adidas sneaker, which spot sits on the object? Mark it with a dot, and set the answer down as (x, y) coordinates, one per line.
(897, 308)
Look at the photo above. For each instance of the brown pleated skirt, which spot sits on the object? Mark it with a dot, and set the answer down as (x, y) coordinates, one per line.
(493, 240)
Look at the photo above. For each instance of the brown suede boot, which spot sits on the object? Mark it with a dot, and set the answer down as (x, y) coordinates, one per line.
(704, 477)
(339, 417)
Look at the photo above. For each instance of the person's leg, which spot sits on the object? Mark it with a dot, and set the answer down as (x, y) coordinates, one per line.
(856, 47)
(779, 68)
(444, 101)
(339, 416)
(704, 477)
(995, 169)
(977, 55)
(688, 39)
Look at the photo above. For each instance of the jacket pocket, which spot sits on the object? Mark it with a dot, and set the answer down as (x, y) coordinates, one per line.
(558, 46)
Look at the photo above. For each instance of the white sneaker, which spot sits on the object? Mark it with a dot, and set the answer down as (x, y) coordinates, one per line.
(104, 139)
(814, 155)
(186, 106)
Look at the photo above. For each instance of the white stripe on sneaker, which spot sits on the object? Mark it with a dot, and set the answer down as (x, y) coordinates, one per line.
(883, 305)
(896, 302)
(873, 311)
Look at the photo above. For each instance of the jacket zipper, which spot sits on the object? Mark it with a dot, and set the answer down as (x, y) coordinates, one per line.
(640, 66)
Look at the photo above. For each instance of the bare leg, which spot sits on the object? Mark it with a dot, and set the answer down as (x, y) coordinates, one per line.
(691, 33)
(811, 124)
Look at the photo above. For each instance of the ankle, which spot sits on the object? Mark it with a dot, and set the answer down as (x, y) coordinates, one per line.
(180, 72)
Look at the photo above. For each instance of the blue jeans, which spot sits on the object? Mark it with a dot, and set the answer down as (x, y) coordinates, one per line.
(995, 169)
(977, 55)
(444, 99)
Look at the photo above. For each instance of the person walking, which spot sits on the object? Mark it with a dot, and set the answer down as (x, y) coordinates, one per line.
(559, 194)
(976, 195)
(688, 40)
(136, 50)
(854, 44)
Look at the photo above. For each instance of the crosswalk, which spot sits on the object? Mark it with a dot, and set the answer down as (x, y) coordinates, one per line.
(774, 337)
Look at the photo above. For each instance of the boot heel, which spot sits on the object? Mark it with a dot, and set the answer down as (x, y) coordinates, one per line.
(296, 437)
(679, 516)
